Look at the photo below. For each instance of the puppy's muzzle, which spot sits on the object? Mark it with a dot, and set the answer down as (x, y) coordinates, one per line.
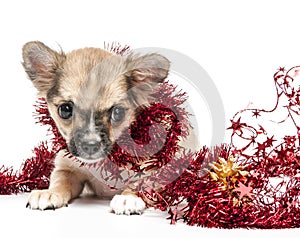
(90, 147)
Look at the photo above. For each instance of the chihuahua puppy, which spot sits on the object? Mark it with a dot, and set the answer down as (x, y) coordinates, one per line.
(91, 95)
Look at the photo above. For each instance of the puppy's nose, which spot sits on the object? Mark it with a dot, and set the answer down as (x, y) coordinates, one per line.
(90, 147)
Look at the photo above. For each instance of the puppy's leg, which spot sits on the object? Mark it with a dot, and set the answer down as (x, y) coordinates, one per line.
(127, 203)
(66, 183)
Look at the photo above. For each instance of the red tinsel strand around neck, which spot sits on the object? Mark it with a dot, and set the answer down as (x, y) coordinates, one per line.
(165, 116)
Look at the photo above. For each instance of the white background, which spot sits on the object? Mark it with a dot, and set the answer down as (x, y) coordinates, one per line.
(239, 43)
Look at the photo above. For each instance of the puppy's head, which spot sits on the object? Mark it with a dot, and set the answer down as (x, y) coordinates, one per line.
(92, 94)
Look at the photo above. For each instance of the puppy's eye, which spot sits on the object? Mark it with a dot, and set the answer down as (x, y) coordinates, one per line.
(117, 114)
(65, 110)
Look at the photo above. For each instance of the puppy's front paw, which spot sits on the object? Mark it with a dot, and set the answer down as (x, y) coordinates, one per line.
(127, 204)
(46, 199)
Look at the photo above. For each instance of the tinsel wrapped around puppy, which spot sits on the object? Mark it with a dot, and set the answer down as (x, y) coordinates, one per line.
(95, 98)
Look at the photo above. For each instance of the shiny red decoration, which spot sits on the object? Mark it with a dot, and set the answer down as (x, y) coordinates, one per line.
(33, 174)
(181, 184)
(273, 165)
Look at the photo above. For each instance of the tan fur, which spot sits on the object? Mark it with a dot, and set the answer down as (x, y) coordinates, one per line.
(77, 67)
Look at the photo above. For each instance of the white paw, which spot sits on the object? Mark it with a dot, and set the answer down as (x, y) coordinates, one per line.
(46, 199)
(127, 204)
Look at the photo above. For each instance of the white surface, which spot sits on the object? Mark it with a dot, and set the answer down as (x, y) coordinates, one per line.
(239, 43)
(90, 217)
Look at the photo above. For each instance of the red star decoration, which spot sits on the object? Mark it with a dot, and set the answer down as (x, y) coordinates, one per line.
(244, 190)
(281, 154)
(282, 69)
(269, 141)
(256, 113)
(236, 125)
(255, 175)
(261, 147)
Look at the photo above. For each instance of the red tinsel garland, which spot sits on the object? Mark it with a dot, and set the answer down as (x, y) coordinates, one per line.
(33, 174)
(267, 196)
(251, 183)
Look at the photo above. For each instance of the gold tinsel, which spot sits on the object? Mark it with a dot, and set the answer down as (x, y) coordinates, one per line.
(228, 174)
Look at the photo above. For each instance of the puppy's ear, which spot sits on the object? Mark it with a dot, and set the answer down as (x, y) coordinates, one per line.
(143, 74)
(42, 65)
